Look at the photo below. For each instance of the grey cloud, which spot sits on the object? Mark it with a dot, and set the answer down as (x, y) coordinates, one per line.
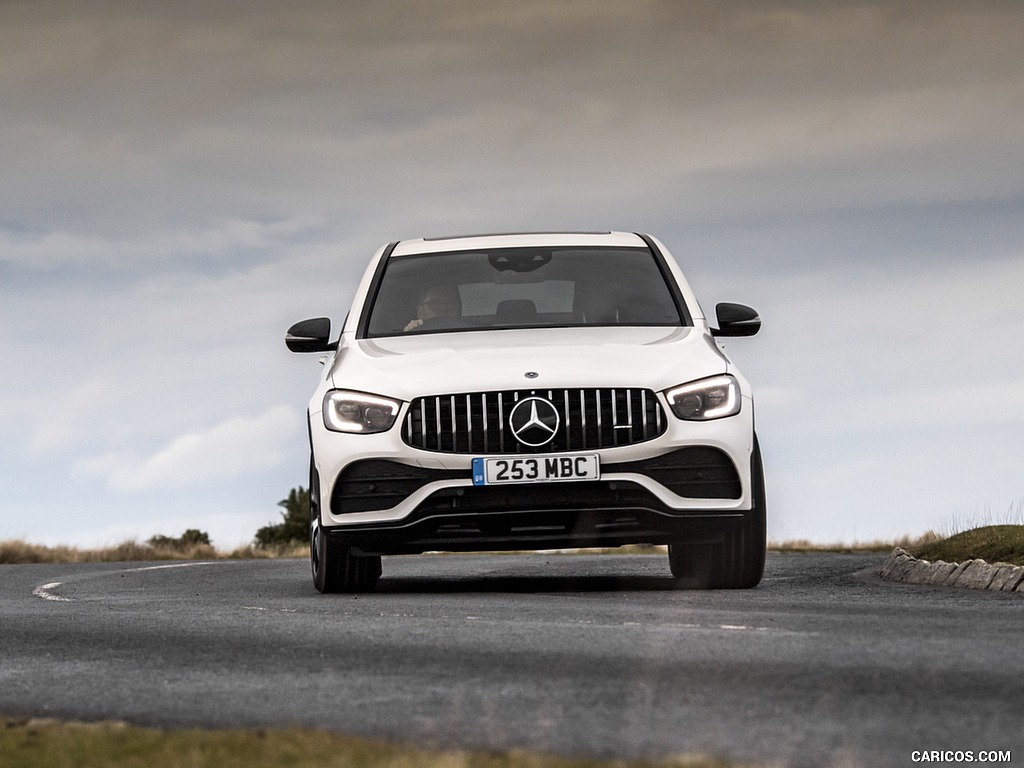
(134, 118)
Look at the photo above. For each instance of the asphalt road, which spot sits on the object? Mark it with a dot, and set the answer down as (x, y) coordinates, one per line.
(821, 665)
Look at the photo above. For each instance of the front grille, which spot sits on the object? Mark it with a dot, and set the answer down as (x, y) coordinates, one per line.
(477, 423)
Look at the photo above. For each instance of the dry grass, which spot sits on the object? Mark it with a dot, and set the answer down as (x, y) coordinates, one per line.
(52, 744)
(879, 545)
(924, 545)
(20, 552)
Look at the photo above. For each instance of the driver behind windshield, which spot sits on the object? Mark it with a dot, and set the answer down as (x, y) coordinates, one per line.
(436, 304)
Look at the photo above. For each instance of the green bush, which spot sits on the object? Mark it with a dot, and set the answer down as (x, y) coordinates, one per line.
(189, 540)
(294, 525)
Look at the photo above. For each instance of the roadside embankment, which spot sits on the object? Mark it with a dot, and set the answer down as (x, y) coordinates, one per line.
(903, 567)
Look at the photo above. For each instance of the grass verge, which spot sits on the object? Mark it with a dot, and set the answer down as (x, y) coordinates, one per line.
(53, 744)
(880, 545)
(19, 552)
(991, 543)
(14, 552)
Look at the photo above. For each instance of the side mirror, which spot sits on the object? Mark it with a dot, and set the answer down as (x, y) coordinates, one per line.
(736, 320)
(310, 336)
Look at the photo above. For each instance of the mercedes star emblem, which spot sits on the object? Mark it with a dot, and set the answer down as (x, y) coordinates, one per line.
(534, 421)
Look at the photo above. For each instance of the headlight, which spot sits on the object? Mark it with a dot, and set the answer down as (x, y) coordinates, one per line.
(346, 411)
(706, 399)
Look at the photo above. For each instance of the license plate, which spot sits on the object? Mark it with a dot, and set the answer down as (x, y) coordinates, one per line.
(536, 469)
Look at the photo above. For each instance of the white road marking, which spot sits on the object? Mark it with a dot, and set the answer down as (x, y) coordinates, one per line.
(44, 592)
(172, 565)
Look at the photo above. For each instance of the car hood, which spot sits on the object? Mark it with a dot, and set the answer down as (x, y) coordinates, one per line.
(409, 366)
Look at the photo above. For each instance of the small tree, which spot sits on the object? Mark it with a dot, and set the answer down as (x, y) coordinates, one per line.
(190, 539)
(294, 525)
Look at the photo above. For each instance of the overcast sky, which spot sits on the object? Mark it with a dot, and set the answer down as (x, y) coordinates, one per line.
(180, 181)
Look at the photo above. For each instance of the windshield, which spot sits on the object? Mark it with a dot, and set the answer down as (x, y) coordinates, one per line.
(522, 288)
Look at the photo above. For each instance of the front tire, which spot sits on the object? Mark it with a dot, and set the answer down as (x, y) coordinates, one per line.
(735, 558)
(334, 566)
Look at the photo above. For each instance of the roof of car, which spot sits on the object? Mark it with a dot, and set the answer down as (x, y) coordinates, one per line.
(517, 240)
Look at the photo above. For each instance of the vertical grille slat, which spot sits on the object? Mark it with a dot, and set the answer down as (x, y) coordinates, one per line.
(501, 424)
(567, 421)
(629, 415)
(486, 421)
(437, 422)
(583, 419)
(476, 423)
(455, 427)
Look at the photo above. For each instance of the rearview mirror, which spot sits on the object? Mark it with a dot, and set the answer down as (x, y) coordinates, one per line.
(310, 336)
(736, 320)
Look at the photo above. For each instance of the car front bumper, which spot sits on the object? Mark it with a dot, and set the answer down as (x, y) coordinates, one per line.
(388, 497)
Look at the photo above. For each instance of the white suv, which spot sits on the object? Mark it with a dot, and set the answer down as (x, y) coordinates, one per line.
(531, 391)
